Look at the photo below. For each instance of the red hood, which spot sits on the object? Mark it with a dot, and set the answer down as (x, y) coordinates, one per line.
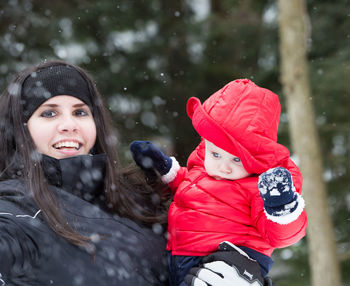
(241, 118)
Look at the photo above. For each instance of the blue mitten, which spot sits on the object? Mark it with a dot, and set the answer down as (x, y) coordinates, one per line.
(277, 191)
(148, 157)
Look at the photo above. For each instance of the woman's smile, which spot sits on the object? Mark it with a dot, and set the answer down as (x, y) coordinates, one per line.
(67, 144)
(68, 148)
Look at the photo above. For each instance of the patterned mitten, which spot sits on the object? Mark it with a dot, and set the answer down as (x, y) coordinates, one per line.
(278, 193)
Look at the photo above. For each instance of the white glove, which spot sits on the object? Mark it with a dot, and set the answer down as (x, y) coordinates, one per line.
(219, 273)
(229, 266)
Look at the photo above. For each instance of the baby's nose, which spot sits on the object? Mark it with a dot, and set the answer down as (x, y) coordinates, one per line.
(226, 169)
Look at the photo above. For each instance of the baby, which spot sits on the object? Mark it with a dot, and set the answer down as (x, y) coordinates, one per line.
(220, 196)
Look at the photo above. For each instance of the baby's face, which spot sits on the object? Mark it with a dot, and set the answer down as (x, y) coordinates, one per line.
(221, 165)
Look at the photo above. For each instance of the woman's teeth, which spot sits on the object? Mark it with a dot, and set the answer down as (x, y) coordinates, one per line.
(66, 144)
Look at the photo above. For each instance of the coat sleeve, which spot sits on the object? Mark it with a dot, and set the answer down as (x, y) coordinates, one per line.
(18, 252)
(279, 233)
(177, 174)
(180, 175)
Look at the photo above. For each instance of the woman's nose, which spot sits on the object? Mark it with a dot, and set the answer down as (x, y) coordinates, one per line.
(67, 124)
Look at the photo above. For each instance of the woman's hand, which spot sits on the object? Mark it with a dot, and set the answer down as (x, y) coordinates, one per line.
(226, 267)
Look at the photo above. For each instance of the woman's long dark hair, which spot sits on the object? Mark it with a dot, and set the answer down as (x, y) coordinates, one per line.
(127, 192)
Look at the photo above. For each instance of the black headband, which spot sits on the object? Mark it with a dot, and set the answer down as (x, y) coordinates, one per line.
(52, 81)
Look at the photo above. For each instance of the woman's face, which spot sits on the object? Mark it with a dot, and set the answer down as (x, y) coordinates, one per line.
(62, 127)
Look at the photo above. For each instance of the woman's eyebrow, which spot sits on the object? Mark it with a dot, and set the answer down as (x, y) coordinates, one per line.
(49, 105)
(79, 105)
(55, 105)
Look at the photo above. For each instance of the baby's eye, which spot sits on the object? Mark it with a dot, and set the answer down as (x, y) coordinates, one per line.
(236, 159)
(81, 112)
(48, 113)
(215, 155)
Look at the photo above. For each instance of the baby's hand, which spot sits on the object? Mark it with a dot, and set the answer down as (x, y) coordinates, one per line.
(148, 157)
(277, 191)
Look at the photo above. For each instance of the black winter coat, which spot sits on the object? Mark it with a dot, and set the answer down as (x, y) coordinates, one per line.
(32, 254)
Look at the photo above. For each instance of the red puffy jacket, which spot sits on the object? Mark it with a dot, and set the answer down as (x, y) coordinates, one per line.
(242, 119)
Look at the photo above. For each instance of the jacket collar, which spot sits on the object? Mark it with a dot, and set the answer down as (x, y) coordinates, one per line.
(80, 175)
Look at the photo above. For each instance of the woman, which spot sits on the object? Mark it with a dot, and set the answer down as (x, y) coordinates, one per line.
(68, 214)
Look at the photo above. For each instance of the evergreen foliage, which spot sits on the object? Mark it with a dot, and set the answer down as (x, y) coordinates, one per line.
(149, 57)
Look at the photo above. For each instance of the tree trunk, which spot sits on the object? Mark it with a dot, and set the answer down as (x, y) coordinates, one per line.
(295, 80)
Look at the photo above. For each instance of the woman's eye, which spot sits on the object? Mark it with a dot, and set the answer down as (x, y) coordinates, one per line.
(81, 112)
(48, 113)
(236, 159)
